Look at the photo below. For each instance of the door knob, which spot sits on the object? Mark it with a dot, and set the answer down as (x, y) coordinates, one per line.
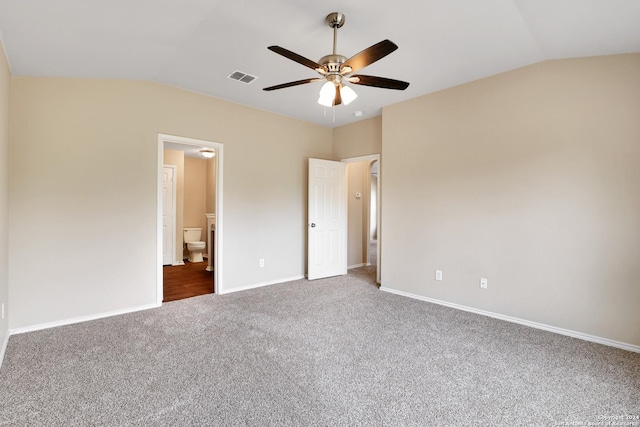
(313, 225)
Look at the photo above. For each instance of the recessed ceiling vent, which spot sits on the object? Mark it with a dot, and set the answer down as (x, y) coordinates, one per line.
(242, 77)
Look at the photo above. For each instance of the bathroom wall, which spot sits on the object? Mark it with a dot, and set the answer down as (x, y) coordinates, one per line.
(176, 158)
(195, 196)
(195, 192)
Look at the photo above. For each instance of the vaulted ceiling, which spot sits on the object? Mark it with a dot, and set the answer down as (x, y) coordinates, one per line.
(196, 44)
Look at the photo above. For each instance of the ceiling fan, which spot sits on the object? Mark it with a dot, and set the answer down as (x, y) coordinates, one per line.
(335, 69)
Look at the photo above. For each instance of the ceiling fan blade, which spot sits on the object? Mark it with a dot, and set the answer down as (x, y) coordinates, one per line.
(296, 83)
(369, 56)
(338, 99)
(297, 58)
(374, 81)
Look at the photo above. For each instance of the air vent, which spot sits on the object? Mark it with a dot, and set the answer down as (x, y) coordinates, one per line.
(242, 77)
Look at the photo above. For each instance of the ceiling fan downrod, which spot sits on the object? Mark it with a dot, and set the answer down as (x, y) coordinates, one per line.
(333, 62)
(335, 21)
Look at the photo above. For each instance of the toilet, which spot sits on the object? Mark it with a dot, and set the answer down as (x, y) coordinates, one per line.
(194, 245)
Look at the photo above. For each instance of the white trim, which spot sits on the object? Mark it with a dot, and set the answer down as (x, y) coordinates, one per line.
(177, 263)
(159, 211)
(371, 158)
(536, 325)
(356, 266)
(3, 349)
(262, 284)
(218, 244)
(80, 319)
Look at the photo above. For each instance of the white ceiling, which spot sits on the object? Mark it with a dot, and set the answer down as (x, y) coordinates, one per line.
(196, 44)
(189, 150)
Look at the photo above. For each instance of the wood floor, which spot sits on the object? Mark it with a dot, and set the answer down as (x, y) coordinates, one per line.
(186, 281)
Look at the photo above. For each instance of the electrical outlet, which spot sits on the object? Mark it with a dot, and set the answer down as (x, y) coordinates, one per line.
(439, 275)
(483, 282)
(261, 262)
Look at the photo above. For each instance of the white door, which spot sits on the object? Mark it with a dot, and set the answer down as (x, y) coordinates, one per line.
(168, 213)
(327, 243)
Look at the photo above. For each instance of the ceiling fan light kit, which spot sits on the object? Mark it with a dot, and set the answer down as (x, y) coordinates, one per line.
(347, 95)
(336, 69)
(327, 94)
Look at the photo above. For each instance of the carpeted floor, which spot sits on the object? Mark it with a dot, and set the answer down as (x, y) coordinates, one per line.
(329, 352)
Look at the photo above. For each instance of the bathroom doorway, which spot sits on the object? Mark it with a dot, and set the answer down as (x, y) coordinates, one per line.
(198, 206)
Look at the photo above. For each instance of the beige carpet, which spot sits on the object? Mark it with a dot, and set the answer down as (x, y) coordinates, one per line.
(329, 352)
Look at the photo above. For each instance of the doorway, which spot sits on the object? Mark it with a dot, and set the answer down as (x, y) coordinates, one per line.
(372, 230)
(364, 212)
(215, 246)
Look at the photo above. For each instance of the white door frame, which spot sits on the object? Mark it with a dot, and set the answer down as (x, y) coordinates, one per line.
(370, 159)
(174, 261)
(218, 243)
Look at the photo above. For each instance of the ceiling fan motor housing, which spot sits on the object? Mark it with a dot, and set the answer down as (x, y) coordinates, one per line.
(332, 63)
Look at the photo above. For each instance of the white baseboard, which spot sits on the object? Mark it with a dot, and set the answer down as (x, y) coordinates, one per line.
(548, 328)
(356, 266)
(3, 349)
(80, 319)
(177, 263)
(259, 285)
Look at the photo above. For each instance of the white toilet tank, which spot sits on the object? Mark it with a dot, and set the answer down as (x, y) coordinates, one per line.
(192, 234)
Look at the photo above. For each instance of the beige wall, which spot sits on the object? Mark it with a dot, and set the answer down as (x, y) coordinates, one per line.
(358, 139)
(5, 88)
(195, 196)
(530, 178)
(84, 164)
(211, 185)
(355, 140)
(357, 211)
(176, 158)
